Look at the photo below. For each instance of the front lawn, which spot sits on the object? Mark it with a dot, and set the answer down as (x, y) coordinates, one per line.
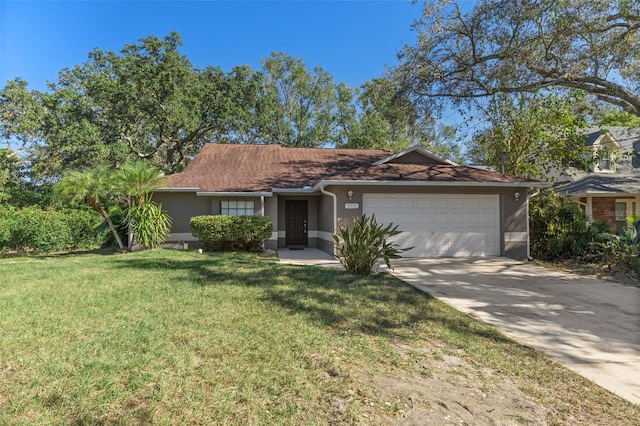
(170, 337)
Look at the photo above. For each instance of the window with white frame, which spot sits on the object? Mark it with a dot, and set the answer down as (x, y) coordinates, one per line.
(624, 209)
(237, 208)
(605, 152)
(607, 161)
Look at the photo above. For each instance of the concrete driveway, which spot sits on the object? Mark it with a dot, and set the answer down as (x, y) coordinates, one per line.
(592, 326)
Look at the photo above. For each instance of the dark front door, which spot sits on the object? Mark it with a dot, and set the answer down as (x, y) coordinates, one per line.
(296, 222)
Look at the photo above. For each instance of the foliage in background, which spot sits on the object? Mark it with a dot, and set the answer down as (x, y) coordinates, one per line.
(621, 253)
(387, 119)
(231, 233)
(148, 102)
(506, 46)
(32, 230)
(365, 243)
(559, 229)
(530, 135)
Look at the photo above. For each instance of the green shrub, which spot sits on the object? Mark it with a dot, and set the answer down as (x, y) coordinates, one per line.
(621, 253)
(559, 228)
(38, 231)
(84, 227)
(7, 219)
(231, 233)
(360, 247)
(148, 223)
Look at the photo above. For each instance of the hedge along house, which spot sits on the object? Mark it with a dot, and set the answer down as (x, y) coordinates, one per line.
(443, 209)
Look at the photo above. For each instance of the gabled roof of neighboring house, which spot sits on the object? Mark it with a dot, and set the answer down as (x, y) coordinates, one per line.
(625, 178)
(261, 168)
(628, 138)
(602, 184)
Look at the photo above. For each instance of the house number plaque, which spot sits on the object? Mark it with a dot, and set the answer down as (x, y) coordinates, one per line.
(351, 206)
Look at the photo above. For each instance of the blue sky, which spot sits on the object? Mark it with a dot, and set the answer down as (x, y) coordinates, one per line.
(352, 40)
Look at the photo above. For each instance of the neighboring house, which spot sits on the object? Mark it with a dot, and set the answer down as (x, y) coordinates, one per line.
(442, 208)
(610, 191)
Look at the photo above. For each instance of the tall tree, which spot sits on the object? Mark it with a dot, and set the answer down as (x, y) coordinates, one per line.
(20, 114)
(145, 102)
(303, 103)
(387, 119)
(511, 46)
(529, 135)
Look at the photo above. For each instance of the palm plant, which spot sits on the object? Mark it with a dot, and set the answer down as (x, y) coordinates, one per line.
(146, 222)
(137, 180)
(94, 188)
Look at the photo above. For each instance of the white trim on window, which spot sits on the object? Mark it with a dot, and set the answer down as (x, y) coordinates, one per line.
(237, 208)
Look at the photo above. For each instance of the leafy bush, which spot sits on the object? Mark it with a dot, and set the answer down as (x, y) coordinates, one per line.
(84, 227)
(360, 247)
(7, 219)
(148, 223)
(621, 253)
(559, 229)
(231, 233)
(37, 231)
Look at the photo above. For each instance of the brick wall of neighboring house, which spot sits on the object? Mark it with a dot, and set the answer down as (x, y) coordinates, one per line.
(604, 210)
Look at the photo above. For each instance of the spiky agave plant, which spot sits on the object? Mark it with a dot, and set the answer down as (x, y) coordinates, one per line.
(365, 243)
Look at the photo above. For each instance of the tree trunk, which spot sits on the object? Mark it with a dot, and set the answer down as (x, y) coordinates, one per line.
(114, 231)
(94, 205)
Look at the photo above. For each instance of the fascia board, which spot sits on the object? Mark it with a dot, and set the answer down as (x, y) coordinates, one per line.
(233, 194)
(183, 189)
(325, 183)
(419, 149)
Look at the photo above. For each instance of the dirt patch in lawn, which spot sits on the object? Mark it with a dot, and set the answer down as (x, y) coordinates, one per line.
(449, 390)
(435, 386)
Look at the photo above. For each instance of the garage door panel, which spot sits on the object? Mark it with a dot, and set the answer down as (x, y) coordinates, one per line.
(440, 225)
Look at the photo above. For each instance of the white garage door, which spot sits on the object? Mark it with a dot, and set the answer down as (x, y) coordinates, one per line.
(440, 225)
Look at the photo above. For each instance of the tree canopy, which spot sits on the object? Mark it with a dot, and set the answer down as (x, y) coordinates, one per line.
(149, 102)
(510, 46)
(530, 135)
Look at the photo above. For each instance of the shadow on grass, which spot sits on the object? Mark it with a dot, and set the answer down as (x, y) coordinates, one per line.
(380, 305)
(63, 254)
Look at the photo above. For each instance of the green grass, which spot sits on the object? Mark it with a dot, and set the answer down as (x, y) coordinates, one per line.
(169, 337)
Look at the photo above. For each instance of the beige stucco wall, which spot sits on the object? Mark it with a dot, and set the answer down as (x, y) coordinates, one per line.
(513, 214)
(182, 206)
(271, 210)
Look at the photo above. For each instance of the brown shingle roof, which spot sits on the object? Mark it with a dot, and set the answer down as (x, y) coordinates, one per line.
(256, 168)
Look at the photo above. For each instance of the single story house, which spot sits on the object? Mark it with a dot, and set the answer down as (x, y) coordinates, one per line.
(610, 191)
(443, 209)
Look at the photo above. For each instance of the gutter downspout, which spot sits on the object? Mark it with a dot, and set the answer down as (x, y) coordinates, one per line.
(528, 236)
(335, 212)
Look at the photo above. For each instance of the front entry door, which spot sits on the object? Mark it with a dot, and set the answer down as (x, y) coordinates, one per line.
(296, 222)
